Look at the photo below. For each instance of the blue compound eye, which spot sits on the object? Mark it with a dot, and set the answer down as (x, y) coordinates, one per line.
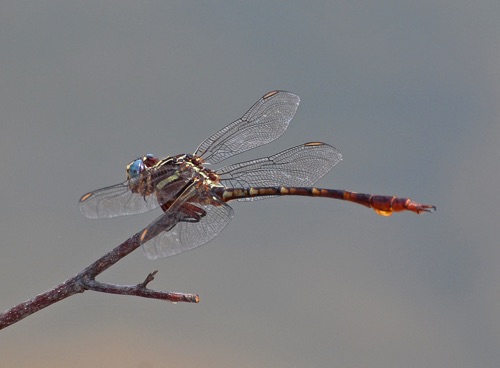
(135, 168)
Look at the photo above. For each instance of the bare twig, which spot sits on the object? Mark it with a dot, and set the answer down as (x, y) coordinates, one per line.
(139, 290)
(85, 280)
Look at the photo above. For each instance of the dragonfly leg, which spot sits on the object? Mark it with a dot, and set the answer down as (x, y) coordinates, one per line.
(192, 213)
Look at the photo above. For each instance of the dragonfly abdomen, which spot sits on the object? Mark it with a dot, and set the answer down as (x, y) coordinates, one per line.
(381, 204)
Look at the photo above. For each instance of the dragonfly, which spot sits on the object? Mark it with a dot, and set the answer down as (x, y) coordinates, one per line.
(194, 198)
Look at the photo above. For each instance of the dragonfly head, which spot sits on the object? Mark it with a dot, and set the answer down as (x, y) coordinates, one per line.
(136, 167)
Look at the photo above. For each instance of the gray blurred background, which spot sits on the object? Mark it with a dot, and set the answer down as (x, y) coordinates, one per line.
(409, 93)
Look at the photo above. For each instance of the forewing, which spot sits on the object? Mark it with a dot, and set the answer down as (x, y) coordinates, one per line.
(300, 166)
(266, 120)
(116, 200)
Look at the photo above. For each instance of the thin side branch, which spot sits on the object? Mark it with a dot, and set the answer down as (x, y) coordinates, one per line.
(139, 290)
(85, 280)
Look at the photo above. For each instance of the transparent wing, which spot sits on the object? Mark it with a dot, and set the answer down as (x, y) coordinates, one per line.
(119, 200)
(178, 231)
(116, 200)
(266, 120)
(300, 166)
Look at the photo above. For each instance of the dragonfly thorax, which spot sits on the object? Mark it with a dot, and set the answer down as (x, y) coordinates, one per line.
(207, 176)
(148, 174)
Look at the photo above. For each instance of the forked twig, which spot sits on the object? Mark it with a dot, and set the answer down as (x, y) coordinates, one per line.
(85, 280)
